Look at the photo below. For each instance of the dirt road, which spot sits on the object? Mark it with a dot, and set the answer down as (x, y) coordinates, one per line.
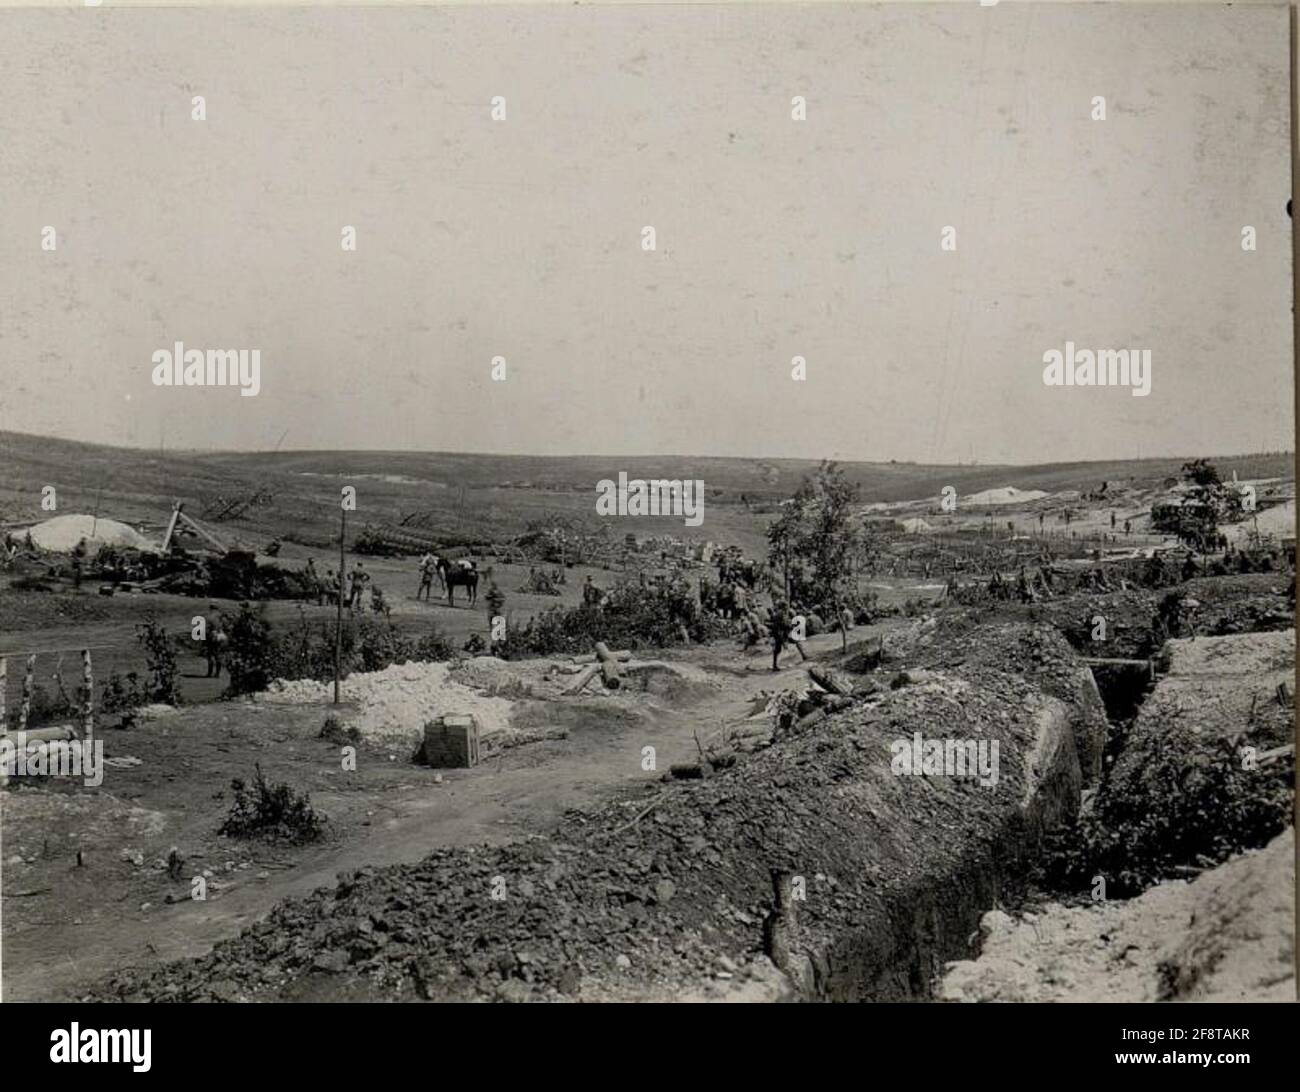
(66, 926)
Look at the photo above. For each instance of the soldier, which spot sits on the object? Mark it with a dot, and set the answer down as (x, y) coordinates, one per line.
(214, 637)
(313, 582)
(357, 585)
(781, 627)
(428, 563)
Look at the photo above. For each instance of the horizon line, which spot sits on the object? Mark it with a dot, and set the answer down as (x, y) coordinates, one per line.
(276, 452)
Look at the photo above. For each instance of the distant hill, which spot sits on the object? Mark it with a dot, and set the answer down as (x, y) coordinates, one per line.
(476, 494)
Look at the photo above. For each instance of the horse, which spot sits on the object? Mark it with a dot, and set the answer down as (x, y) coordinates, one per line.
(454, 575)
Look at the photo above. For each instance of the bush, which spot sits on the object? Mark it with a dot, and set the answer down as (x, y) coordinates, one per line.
(632, 616)
(256, 655)
(122, 694)
(249, 654)
(1190, 803)
(160, 657)
(334, 731)
(273, 813)
(45, 708)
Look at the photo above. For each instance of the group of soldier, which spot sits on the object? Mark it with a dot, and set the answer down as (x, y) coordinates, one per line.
(328, 588)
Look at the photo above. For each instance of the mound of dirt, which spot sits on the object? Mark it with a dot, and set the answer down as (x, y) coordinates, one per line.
(62, 533)
(1227, 936)
(1215, 687)
(392, 705)
(1007, 494)
(666, 893)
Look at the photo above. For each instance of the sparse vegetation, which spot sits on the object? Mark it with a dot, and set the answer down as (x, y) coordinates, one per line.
(1176, 814)
(256, 654)
(632, 615)
(160, 657)
(271, 812)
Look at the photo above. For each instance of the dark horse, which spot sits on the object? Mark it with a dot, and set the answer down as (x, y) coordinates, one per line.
(454, 576)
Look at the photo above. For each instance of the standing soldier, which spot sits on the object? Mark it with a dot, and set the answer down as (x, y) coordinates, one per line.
(782, 629)
(313, 582)
(213, 638)
(360, 578)
(427, 565)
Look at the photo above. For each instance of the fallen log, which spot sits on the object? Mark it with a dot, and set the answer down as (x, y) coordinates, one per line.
(582, 678)
(830, 679)
(609, 668)
(49, 735)
(622, 655)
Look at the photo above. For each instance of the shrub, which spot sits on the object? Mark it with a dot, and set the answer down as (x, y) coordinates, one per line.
(273, 813)
(45, 707)
(334, 731)
(632, 616)
(160, 658)
(122, 694)
(1190, 803)
(249, 655)
(256, 655)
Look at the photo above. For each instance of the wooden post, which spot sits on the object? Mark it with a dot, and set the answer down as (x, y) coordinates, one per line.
(25, 709)
(338, 631)
(609, 668)
(88, 700)
(4, 685)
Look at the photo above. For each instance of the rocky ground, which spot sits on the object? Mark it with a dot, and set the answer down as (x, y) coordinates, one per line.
(1229, 935)
(672, 891)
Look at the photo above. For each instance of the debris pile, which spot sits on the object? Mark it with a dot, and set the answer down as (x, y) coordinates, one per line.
(392, 705)
(672, 890)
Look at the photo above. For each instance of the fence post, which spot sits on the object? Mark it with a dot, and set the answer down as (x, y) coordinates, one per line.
(4, 685)
(88, 704)
(25, 709)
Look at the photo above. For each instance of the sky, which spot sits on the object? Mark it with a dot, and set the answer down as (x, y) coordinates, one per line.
(775, 238)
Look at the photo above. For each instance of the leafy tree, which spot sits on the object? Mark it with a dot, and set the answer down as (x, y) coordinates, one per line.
(814, 541)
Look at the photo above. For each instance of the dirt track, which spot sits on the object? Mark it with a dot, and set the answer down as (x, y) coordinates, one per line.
(386, 812)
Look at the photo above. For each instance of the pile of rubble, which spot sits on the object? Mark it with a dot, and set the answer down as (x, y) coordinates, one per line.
(674, 889)
(392, 705)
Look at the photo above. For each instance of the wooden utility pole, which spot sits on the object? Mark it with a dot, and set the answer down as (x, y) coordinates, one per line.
(338, 629)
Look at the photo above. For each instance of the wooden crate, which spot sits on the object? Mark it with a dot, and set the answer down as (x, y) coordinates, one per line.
(451, 741)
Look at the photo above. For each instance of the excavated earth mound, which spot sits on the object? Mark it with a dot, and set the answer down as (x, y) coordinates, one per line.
(885, 875)
(1229, 935)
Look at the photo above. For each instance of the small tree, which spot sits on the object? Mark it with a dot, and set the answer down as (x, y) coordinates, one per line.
(815, 539)
(160, 657)
(250, 651)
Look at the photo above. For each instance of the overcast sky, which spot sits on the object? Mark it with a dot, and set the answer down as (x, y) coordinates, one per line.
(775, 238)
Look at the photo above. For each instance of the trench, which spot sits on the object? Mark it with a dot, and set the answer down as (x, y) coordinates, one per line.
(898, 950)
(900, 955)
